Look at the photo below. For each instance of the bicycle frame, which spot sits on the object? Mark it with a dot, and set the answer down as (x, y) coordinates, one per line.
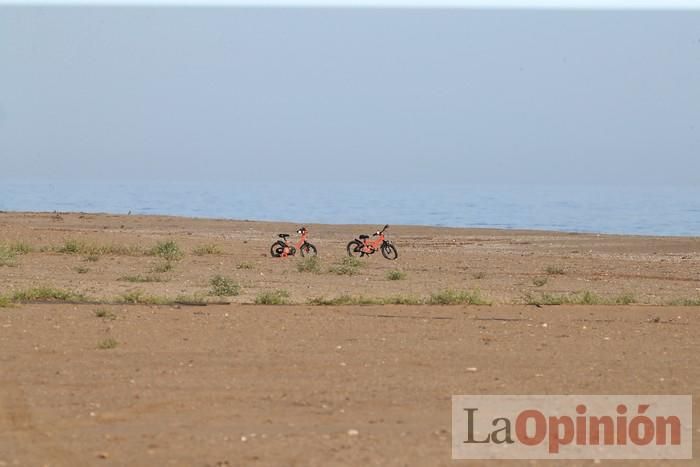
(370, 246)
(287, 248)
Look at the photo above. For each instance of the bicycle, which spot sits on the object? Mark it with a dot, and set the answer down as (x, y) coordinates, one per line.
(282, 248)
(362, 245)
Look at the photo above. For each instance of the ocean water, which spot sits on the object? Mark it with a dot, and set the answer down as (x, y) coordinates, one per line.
(600, 209)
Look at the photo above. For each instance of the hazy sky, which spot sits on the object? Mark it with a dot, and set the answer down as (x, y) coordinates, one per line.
(457, 95)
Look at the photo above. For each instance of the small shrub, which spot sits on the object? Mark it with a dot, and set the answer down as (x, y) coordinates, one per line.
(245, 265)
(554, 270)
(539, 281)
(5, 302)
(275, 297)
(168, 250)
(102, 313)
(452, 297)
(208, 249)
(107, 344)
(395, 275)
(309, 264)
(224, 287)
(479, 275)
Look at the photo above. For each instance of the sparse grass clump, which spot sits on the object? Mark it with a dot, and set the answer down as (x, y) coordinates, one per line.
(208, 249)
(137, 297)
(453, 297)
(546, 299)
(162, 267)
(142, 278)
(46, 294)
(274, 297)
(8, 253)
(348, 266)
(81, 269)
(92, 258)
(224, 287)
(75, 247)
(168, 250)
(107, 344)
(625, 299)
(309, 264)
(686, 302)
(341, 300)
(70, 247)
(395, 275)
(7, 256)
(554, 270)
(5, 301)
(106, 314)
(587, 298)
(189, 300)
(539, 281)
(580, 298)
(479, 275)
(20, 248)
(350, 300)
(245, 265)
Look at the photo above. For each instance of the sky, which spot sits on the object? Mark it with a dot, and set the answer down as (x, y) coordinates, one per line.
(451, 95)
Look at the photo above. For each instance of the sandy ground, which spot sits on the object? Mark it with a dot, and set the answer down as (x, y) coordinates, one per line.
(243, 384)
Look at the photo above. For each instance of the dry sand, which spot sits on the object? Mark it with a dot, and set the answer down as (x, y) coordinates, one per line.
(246, 384)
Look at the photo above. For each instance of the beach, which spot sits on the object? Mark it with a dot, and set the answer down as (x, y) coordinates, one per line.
(118, 351)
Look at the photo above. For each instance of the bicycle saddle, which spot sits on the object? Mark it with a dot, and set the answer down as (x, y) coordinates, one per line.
(362, 237)
(283, 236)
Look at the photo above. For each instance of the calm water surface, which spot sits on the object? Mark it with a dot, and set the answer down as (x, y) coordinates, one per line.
(623, 210)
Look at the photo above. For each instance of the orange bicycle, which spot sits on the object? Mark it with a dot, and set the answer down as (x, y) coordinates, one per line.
(282, 248)
(364, 246)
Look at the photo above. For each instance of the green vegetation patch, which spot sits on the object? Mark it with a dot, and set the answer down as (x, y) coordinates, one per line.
(348, 266)
(309, 264)
(207, 249)
(107, 344)
(456, 297)
(142, 278)
(396, 275)
(554, 270)
(224, 287)
(274, 297)
(168, 250)
(40, 294)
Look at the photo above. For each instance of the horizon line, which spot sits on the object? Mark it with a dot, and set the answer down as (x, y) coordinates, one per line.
(655, 5)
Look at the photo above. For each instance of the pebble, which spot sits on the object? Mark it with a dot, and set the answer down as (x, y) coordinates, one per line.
(353, 432)
(472, 368)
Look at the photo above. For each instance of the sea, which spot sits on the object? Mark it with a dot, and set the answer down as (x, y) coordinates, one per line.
(635, 210)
